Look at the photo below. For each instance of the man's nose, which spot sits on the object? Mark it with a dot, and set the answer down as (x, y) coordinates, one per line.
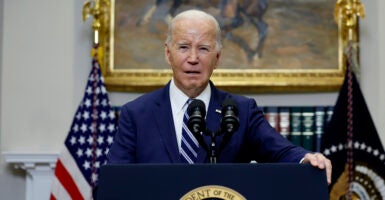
(193, 56)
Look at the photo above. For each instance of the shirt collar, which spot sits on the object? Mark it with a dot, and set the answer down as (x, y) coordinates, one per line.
(178, 98)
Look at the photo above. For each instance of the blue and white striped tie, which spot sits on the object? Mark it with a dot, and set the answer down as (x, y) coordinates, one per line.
(189, 145)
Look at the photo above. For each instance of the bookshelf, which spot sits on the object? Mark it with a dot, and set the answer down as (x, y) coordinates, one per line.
(302, 125)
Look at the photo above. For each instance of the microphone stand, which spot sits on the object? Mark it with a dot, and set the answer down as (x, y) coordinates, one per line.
(213, 147)
(213, 152)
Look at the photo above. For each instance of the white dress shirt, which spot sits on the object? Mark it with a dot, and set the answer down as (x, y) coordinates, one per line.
(178, 106)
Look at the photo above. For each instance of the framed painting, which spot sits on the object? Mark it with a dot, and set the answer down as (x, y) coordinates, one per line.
(268, 45)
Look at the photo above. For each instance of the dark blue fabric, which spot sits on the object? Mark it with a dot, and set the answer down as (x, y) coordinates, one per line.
(146, 133)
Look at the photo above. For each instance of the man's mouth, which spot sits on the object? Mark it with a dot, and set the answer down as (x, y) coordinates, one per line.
(192, 72)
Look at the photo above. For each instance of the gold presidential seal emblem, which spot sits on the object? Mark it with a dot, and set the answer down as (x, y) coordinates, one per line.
(212, 192)
(367, 182)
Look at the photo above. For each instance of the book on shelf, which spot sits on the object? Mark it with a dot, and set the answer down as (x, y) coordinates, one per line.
(271, 115)
(284, 121)
(319, 126)
(329, 113)
(302, 125)
(296, 126)
(307, 134)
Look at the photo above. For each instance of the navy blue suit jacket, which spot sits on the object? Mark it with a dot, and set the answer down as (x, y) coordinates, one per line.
(147, 135)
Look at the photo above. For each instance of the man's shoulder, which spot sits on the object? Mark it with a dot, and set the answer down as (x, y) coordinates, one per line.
(149, 98)
(222, 94)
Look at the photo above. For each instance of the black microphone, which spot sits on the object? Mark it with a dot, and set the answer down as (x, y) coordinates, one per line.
(197, 112)
(230, 120)
(196, 122)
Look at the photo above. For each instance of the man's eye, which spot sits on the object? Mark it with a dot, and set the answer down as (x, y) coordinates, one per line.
(183, 47)
(204, 49)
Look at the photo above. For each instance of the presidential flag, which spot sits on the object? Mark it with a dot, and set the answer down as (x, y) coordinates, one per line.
(88, 141)
(352, 144)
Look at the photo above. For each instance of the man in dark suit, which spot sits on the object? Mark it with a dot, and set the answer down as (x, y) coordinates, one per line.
(150, 127)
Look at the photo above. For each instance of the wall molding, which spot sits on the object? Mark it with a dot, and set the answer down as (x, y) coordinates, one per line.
(39, 169)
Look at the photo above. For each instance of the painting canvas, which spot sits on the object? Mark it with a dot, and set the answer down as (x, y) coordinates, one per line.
(286, 41)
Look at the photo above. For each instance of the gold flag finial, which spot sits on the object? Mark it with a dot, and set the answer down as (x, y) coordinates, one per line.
(346, 14)
(99, 9)
(96, 8)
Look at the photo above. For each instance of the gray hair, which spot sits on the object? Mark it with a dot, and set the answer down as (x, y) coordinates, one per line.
(193, 14)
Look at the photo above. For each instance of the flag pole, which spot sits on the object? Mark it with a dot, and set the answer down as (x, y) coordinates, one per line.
(96, 9)
(347, 13)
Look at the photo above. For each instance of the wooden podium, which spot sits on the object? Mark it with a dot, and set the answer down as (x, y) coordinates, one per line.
(212, 181)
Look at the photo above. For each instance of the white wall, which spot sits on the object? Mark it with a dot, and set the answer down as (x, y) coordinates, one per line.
(38, 73)
(1, 50)
(10, 179)
(44, 63)
(380, 115)
(38, 80)
(372, 55)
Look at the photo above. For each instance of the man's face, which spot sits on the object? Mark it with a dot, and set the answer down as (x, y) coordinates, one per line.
(192, 55)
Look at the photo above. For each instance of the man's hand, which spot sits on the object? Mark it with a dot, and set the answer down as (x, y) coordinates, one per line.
(320, 161)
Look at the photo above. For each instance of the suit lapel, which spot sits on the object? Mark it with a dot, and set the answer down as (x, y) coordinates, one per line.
(165, 124)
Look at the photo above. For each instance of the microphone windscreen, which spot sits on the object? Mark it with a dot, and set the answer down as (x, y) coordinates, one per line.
(229, 104)
(197, 104)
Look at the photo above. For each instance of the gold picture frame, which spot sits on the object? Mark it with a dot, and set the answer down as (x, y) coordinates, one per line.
(242, 80)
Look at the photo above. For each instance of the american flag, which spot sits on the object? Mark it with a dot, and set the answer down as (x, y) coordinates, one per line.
(87, 144)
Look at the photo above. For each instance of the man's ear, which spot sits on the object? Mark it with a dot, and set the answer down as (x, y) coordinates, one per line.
(167, 53)
(218, 56)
